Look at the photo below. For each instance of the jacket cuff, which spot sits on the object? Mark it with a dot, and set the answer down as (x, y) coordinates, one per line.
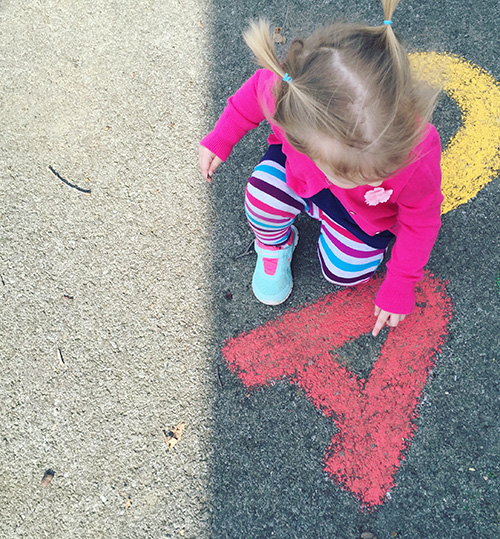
(222, 139)
(220, 147)
(396, 296)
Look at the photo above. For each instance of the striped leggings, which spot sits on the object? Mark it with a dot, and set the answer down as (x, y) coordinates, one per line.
(271, 207)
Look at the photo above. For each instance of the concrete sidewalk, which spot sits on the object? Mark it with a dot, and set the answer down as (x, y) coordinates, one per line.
(105, 329)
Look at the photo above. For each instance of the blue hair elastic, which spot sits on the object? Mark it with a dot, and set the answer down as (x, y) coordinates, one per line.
(287, 78)
(388, 23)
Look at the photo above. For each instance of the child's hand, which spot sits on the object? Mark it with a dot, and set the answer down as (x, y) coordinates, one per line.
(208, 162)
(383, 317)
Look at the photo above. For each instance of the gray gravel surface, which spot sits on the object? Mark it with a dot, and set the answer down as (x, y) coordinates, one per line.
(114, 280)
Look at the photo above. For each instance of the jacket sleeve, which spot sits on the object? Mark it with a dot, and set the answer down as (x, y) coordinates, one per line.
(419, 221)
(243, 112)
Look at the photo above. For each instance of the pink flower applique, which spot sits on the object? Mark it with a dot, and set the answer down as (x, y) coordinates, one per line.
(377, 195)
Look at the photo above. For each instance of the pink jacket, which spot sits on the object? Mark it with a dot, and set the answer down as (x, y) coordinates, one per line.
(412, 212)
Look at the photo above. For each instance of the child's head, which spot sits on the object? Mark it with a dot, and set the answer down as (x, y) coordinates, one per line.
(353, 105)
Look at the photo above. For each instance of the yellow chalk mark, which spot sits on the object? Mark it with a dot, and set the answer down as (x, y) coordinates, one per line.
(472, 158)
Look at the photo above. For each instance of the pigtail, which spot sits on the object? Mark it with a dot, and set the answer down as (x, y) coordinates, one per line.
(389, 8)
(258, 38)
(290, 99)
(422, 96)
(397, 51)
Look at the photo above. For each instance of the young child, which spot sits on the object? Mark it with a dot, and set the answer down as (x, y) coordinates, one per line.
(351, 146)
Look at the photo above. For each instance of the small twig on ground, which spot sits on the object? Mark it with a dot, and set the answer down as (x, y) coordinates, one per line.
(57, 175)
(248, 251)
(219, 377)
(286, 16)
(60, 358)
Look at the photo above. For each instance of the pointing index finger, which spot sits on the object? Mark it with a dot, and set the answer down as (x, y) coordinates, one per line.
(379, 324)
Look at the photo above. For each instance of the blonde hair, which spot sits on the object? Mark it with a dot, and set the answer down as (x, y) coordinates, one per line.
(351, 83)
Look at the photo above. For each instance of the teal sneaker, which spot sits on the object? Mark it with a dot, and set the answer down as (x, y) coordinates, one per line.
(272, 279)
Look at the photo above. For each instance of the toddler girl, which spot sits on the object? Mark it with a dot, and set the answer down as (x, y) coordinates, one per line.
(351, 146)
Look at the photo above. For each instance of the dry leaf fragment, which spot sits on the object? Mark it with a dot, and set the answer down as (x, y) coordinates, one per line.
(278, 37)
(179, 430)
(174, 435)
(47, 477)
